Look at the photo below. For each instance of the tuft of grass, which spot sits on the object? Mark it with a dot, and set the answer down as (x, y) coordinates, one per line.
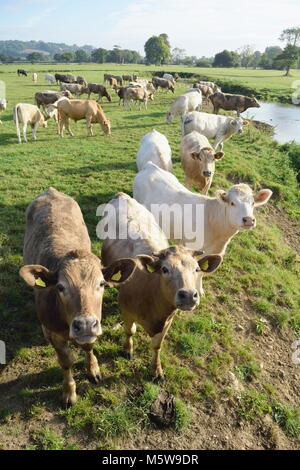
(288, 418)
(253, 404)
(182, 417)
(47, 439)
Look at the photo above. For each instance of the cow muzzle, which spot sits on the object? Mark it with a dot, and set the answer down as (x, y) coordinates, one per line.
(207, 173)
(187, 299)
(85, 329)
(249, 222)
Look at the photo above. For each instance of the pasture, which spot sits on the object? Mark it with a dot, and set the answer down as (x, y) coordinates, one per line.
(228, 364)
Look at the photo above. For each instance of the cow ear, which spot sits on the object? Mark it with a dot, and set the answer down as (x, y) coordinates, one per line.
(38, 276)
(210, 263)
(261, 197)
(245, 123)
(119, 271)
(221, 196)
(151, 264)
(219, 155)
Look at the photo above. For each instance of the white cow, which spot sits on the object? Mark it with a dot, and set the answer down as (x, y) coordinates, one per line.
(3, 105)
(198, 161)
(34, 77)
(183, 104)
(213, 126)
(154, 147)
(25, 113)
(168, 76)
(50, 78)
(217, 220)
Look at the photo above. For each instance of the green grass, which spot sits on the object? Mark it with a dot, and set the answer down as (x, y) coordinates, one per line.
(259, 275)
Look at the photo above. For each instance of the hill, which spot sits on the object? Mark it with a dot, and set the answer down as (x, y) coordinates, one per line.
(16, 48)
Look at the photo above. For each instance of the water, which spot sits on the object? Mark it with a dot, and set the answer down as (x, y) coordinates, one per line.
(285, 118)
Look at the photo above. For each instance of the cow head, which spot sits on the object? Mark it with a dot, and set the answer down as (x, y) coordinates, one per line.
(77, 286)
(240, 201)
(206, 156)
(237, 125)
(254, 103)
(180, 270)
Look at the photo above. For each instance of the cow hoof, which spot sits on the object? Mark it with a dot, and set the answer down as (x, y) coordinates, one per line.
(95, 379)
(159, 379)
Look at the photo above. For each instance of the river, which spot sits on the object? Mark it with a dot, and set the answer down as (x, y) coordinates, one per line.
(285, 118)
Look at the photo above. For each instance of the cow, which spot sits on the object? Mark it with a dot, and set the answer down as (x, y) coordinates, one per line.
(66, 78)
(165, 278)
(147, 85)
(168, 76)
(113, 82)
(81, 80)
(49, 97)
(162, 83)
(229, 102)
(127, 78)
(205, 89)
(68, 281)
(74, 88)
(154, 147)
(99, 89)
(49, 78)
(183, 104)
(198, 161)
(21, 72)
(211, 85)
(219, 219)
(81, 109)
(106, 77)
(135, 94)
(3, 105)
(51, 111)
(213, 126)
(120, 90)
(24, 113)
(34, 77)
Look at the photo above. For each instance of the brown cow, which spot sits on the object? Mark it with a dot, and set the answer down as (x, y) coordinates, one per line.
(229, 102)
(135, 94)
(99, 89)
(81, 109)
(74, 88)
(49, 97)
(165, 278)
(162, 83)
(68, 280)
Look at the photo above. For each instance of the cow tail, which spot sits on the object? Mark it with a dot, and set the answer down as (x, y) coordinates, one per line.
(16, 118)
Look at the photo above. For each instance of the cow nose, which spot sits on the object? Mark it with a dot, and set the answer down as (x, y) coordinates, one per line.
(248, 220)
(77, 324)
(207, 173)
(187, 299)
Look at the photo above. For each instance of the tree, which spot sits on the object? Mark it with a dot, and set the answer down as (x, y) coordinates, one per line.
(178, 55)
(268, 57)
(288, 58)
(35, 57)
(291, 36)
(246, 52)
(99, 55)
(157, 49)
(67, 57)
(81, 56)
(255, 59)
(227, 59)
(203, 62)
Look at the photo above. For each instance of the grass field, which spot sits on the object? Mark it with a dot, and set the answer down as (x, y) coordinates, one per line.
(228, 365)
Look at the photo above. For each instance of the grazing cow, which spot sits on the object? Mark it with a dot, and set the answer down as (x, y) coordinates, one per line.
(154, 147)
(198, 161)
(223, 216)
(49, 97)
(120, 90)
(24, 113)
(81, 80)
(66, 78)
(168, 76)
(162, 83)
(205, 90)
(99, 89)
(3, 105)
(106, 77)
(21, 72)
(51, 111)
(213, 126)
(49, 78)
(164, 281)
(34, 77)
(127, 78)
(147, 85)
(81, 109)
(135, 94)
(183, 104)
(68, 280)
(229, 102)
(74, 88)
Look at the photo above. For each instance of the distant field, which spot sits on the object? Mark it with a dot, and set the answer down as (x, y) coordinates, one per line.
(228, 364)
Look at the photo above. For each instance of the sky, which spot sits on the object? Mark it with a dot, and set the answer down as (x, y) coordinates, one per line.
(201, 27)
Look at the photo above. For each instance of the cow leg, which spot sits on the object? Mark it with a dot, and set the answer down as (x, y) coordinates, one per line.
(157, 341)
(130, 329)
(34, 129)
(89, 127)
(67, 124)
(65, 360)
(91, 363)
(218, 141)
(24, 132)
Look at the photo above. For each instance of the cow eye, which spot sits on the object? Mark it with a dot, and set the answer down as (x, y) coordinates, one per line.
(60, 287)
(198, 269)
(165, 270)
(233, 204)
(102, 283)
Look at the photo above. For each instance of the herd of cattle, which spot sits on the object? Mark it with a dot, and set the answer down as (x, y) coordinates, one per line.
(154, 279)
